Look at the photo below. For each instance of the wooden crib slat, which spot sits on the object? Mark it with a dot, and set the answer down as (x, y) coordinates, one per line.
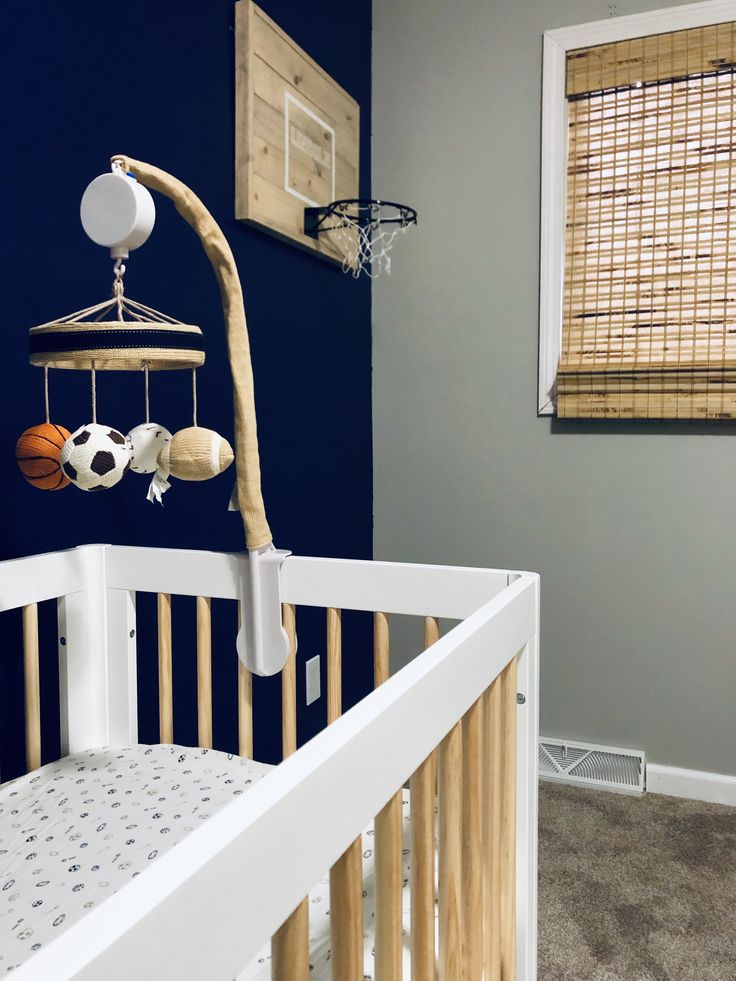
(381, 655)
(450, 855)
(245, 707)
(204, 671)
(165, 677)
(499, 947)
(290, 943)
(421, 875)
(245, 711)
(431, 636)
(288, 685)
(32, 686)
(508, 826)
(431, 631)
(472, 825)
(346, 914)
(389, 845)
(346, 875)
(290, 947)
(389, 890)
(334, 665)
(423, 785)
(493, 725)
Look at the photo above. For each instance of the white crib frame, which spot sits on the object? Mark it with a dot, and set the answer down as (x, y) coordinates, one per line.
(205, 908)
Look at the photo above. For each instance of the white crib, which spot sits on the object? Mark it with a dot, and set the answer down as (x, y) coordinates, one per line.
(206, 907)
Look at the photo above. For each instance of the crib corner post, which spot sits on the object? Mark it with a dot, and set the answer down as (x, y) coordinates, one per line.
(97, 679)
(527, 775)
(122, 676)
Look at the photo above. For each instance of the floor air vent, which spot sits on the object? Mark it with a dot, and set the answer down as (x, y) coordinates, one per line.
(592, 766)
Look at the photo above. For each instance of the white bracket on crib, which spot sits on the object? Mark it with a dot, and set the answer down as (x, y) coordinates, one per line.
(262, 644)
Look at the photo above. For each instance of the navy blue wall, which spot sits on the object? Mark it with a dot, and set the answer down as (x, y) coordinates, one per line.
(82, 80)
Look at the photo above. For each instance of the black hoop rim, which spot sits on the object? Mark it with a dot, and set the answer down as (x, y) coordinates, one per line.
(315, 218)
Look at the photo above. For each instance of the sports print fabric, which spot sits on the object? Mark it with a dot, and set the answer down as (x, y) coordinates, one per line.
(75, 831)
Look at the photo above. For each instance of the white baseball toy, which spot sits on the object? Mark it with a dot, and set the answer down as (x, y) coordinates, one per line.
(146, 443)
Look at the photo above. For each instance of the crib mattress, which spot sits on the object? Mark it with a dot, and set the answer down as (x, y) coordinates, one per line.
(75, 831)
(319, 917)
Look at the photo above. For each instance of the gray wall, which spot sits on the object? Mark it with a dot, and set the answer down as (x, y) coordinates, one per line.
(633, 527)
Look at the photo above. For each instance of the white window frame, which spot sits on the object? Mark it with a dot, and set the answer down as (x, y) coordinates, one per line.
(554, 154)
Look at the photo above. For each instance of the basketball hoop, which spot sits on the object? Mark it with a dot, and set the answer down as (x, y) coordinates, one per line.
(363, 229)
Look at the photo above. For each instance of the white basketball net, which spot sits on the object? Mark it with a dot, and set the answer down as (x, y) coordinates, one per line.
(365, 235)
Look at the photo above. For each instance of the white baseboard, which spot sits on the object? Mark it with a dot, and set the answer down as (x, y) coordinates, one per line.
(715, 788)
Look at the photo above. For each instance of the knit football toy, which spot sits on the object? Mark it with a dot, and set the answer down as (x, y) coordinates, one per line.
(196, 453)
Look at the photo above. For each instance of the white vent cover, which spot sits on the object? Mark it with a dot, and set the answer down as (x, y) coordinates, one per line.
(587, 765)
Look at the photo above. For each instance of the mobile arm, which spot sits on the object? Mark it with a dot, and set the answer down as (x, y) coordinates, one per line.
(262, 644)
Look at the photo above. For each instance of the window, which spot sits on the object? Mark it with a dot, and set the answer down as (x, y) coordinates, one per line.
(638, 251)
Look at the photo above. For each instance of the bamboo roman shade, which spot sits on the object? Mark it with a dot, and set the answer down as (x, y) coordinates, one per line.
(649, 300)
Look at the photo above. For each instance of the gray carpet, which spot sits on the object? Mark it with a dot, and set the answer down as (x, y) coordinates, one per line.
(635, 889)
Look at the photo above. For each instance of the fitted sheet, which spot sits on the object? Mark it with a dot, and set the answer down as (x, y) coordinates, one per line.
(74, 832)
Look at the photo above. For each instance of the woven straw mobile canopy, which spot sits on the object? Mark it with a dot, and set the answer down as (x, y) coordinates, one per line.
(119, 334)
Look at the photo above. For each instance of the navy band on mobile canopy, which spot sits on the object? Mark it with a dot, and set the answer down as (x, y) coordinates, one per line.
(116, 345)
(67, 341)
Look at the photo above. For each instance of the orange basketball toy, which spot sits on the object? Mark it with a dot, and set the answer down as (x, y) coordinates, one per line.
(38, 453)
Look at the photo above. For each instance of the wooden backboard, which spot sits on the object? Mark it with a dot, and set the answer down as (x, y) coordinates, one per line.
(297, 135)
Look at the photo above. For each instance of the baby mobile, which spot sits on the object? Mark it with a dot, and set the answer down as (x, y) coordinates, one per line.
(118, 334)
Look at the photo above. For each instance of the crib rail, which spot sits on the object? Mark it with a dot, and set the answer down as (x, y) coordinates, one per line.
(393, 587)
(37, 578)
(464, 747)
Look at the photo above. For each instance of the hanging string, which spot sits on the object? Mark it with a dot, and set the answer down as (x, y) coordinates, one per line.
(148, 407)
(94, 393)
(117, 287)
(46, 392)
(194, 397)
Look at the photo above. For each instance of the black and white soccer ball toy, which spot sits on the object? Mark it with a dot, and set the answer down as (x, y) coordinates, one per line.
(95, 457)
